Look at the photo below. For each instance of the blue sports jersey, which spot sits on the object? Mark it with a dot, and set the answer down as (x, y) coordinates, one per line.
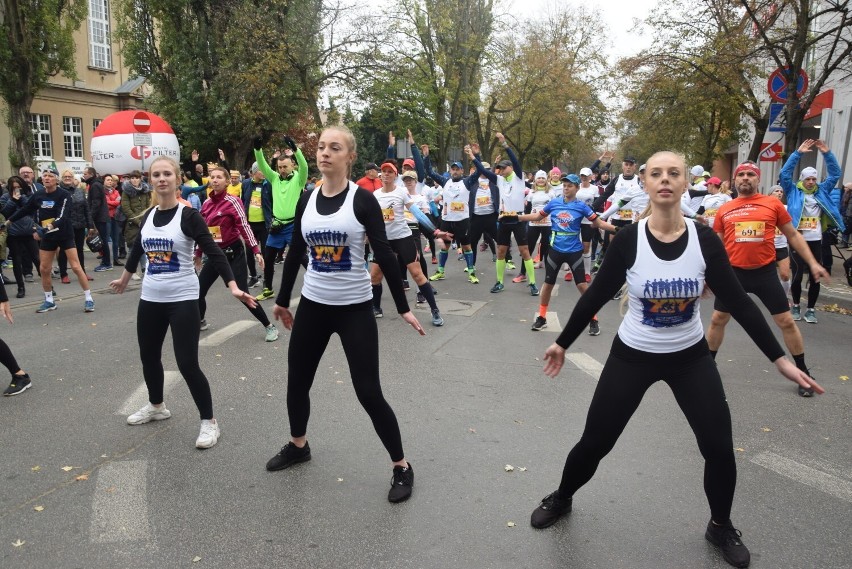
(565, 220)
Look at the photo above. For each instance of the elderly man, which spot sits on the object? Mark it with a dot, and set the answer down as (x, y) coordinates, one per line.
(257, 202)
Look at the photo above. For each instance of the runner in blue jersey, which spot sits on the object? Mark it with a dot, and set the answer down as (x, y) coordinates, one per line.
(566, 215)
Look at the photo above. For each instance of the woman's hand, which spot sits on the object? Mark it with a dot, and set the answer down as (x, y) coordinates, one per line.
(259, 259)
(6, 310)
(412, 319)
(789, 370)
(283, 315)
(120, 284)
(243, 297)
(554, 357)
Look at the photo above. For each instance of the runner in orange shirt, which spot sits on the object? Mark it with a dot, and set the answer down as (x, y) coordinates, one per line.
(747, 227)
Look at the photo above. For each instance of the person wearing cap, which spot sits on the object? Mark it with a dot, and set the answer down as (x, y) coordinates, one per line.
(370, 181)
(713, 200)
(287, 184)
(455, 215)
(539, 227)
(613, 192)
(484, 197)
(746, 226)
(394, 203)
(812, 211)
(565, 213)
(586, 193)
(512, 195)
(257, 202)
(49, 208)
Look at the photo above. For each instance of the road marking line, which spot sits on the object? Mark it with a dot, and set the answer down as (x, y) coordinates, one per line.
(553, 324)
(139, 397)
(804, 474)
(555, 292)
(120, 505)
(586, 363)
(226, 333)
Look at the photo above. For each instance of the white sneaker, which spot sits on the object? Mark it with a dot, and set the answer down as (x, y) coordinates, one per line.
(149, 413)
(271, 333)
(136, 277)
(209, 434)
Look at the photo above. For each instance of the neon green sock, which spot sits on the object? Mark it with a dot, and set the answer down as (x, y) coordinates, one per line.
(501, 269)
(530, 267)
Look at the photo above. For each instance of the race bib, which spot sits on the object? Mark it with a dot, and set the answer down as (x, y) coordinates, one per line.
(457, 206)
(710, 213)
(809, 223)
(387, 214)
(409, 217)
(749, 231)
(626, 213)
(46, 222)
(483, 201)
(216, 233)
(255, 201)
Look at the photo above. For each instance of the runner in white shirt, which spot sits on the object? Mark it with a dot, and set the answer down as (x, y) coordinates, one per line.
(587, 193)
(538, 228)
(782, 249)
(714, 199)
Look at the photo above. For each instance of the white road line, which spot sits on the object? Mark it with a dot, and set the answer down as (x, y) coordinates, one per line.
(555, 292)
(806, 475)
(228, 332)
(586, 363)
(553, 324)
(120, 505)
(140, 396)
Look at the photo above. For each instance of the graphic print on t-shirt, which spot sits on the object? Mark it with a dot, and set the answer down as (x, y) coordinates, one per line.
(329, 251)
(669, 302)
(161, 256)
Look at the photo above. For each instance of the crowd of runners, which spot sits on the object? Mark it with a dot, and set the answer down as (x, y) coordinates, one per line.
(660, 235)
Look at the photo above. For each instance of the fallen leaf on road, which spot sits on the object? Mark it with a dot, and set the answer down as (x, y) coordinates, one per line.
(35, 468)
(104, 456)
(111, 489)
(269, 395)
(39, 508)
(94, 323)
(338, 381)
(837, 309)
(218, 355)
(67, 468)
(844, 378)
(523, 469)
(766, 430)
(64, 350)
(519, 422)
(82, 477)
(18, 543)
(471, 430)
(510, 524)
(508, 468)
(738, 449)
(243, 377)
(340, 479)
(196, 559)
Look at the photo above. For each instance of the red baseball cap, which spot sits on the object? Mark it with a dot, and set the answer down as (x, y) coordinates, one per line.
(389, 166)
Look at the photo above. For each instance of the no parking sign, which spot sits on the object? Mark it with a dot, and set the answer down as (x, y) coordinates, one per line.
(777, 84)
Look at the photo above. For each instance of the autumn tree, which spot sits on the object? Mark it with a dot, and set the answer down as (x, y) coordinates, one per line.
(36, 43)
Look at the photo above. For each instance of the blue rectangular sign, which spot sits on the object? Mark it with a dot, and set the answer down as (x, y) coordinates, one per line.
(777, 118)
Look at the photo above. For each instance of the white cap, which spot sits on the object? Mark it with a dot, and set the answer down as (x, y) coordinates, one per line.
(697, 170)
(808, 173)
(585, 171)
(540, 174)
(642, 168)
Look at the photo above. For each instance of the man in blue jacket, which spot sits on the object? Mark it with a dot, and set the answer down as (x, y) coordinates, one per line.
(813, 211)
(257, 201)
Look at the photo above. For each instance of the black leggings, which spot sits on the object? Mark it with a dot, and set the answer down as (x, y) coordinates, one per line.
(313, 326)
(482, 225)
(153, 319)
(7, 358)
(62, 258)
(209, 274)
(694, 380)
(259, 230)
(269, 256)
(799, 267)
(24, 252)
(533, 234)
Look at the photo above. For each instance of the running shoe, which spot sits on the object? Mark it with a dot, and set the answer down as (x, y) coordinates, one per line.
(473, 278)
(467, 269)
(434, 260)
(539, 324)
(65, 280)
(46, 307)
(420, 298)
(253, 281)
(552, 508)
(796, 312)
(267, 293)
(538, 265)
(426, 249)
(533, 290)
(289, 455)
(405, 285)
(810, 316)
(510, 265)
(594, 328)
(569, 277)
(436, 318)
(149, 413)
(493, 258)
(20, 383)
(520, 279)
(498, 287)
(807, 391)
(7, 264)
(204, 325)
(727, 539)
(91, 278)
(438, 276)
(102, 268)
(619, 294)
(117, 263)
(588, 279)
(271, 333)
(460, 256)
(89, 306)
(209, 434)
(29, 278)
(596, 267)
(135, 277)
(483, 246)
(401, 483)
(377, 312)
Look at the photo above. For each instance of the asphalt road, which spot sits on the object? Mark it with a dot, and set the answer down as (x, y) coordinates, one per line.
(471, 400)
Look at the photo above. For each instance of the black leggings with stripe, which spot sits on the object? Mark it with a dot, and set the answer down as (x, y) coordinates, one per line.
(313, 325)
(694, 380)
(799, 267)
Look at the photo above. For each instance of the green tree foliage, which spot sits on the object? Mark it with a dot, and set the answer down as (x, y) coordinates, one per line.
(36, 43)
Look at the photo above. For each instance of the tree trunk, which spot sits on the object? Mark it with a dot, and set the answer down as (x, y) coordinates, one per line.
(20, 136)
(760, 127)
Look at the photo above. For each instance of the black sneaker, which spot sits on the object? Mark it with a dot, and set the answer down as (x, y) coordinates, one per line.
(594, 328)
(420, 298)
(539, 324)
(290, 454)
(806, 391)
(405, 285)
(552, 507)
(20, 383)
(377, 312)
(401, 484)
(727, 539)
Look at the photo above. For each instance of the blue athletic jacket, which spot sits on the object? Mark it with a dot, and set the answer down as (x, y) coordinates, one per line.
(796, 197)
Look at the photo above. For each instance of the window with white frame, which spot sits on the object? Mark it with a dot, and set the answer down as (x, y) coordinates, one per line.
(40, 127)
(72, 135)
(96, 123)
(100, 46)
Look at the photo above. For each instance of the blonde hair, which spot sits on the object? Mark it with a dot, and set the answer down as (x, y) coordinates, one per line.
(67, 173)
(647, 212)
(171, 161)
(350, 142)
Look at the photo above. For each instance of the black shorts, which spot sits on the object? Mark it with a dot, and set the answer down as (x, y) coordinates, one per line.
(505, 231)
(782, 253)
(554, 263)
(586, 232)
(459, 229)
(47, 244)
(405, 249)
(764, 283)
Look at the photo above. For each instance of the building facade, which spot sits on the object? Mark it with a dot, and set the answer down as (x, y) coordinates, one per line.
(66, 112)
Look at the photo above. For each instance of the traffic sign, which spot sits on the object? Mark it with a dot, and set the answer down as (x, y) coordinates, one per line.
(777, 84)
(141, 122)
(777, 118)
(142, 139)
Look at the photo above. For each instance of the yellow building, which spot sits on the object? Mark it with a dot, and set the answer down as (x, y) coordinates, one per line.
(65, 113)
